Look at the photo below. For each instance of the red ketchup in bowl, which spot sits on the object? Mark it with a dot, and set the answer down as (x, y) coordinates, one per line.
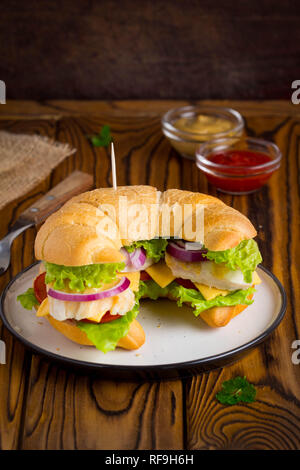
(239, 158)
(238, 166)
(240, 163)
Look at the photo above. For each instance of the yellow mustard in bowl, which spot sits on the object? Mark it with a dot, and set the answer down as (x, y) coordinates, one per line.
(189, 126)
(203, 124)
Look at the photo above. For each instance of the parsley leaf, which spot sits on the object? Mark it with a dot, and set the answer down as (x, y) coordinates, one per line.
(236, 390)
(103, 138)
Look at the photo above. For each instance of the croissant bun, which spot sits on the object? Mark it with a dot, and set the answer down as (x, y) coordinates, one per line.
(71, 236)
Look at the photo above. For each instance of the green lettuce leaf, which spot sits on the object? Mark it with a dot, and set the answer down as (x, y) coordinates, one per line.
(105, 336)
(155, 248)
(196, 300)
(28, 300)
(151, 290)
(245, 256)
(81, 277)
(199, 304)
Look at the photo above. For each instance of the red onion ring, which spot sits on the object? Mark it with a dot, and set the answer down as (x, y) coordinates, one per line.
(134, 261)
(126, 254)
(138, 258)
(66, 296)
(186, 255)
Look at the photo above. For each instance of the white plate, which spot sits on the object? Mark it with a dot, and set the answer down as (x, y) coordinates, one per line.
(175, 339)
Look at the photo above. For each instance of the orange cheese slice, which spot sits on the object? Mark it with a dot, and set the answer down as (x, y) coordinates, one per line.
(161, 273)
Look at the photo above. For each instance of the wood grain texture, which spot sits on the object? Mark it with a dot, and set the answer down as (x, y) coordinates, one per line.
(71, 411)
(14, 375)
(273, 422)
(44, 406)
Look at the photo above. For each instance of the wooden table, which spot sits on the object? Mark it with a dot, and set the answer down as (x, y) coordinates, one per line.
(43, 406)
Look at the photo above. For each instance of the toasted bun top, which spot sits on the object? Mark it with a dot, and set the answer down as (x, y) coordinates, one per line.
(224, 227)
(92, 227)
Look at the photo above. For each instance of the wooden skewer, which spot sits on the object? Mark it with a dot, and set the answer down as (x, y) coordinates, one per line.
(113, 166)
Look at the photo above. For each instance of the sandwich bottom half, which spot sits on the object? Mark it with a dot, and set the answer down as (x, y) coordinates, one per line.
(216, 307)
(214, 312)
(77, 332)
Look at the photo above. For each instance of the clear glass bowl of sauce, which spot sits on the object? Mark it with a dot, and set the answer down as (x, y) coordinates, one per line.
(189, 126)
(238, 165)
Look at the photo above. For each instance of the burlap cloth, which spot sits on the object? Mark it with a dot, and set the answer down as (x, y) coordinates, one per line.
(25, 160)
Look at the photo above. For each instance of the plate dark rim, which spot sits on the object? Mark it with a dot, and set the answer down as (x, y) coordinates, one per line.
(178, 365)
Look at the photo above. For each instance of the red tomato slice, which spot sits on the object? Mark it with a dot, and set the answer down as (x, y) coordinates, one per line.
(108, 317)
(39, 287)
(105, 319)
(185, 283)
(145, 276)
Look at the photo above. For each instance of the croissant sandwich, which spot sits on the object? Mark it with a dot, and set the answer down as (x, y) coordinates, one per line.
(106, 249)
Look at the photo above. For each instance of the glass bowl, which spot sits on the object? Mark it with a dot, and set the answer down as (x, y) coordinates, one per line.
(188, 126)
(238, 165)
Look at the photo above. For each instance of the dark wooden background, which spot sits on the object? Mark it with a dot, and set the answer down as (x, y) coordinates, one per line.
(123, 49)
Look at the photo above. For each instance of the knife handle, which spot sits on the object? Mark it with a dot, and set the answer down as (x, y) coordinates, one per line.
(76, 183)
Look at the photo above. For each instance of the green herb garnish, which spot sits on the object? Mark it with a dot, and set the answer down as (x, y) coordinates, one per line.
(103, 138)
(236, 390)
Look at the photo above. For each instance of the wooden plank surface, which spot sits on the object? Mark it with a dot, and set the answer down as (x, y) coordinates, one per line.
(44, 406)
(65, 410)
